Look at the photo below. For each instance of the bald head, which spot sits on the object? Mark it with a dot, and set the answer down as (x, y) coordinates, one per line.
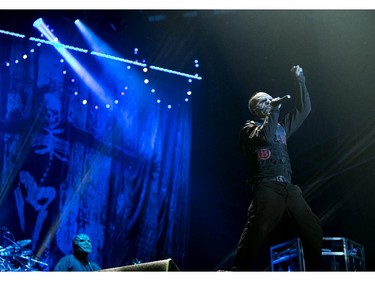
(82, 244)
(260, 104)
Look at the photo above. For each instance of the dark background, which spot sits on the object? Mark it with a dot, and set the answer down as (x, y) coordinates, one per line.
(240, 52)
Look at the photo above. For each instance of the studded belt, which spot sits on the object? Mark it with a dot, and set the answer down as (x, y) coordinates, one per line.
(277, 179)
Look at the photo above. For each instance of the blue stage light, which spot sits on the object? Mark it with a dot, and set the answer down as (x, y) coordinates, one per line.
(118, 59)
(12, 33)
(38, 22)
(58, 45)
(196, 76)
(72, 61)
(52, 40)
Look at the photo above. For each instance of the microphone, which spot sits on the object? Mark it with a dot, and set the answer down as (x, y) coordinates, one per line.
(277, 101)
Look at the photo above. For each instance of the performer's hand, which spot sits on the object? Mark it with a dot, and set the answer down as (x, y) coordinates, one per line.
(297, 71)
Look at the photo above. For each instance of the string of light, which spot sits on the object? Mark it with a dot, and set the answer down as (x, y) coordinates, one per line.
(116, 101)
(157, 68)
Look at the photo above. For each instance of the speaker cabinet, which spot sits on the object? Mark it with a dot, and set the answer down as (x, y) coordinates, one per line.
(162, 265)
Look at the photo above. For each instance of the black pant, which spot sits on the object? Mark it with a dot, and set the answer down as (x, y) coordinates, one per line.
(272, 200)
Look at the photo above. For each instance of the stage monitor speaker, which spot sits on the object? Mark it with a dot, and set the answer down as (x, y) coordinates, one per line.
(162, 265)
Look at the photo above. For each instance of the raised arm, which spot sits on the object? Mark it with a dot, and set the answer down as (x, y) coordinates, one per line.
(294, 119)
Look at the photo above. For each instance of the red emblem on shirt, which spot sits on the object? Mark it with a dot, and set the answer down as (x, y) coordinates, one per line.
(264, 154)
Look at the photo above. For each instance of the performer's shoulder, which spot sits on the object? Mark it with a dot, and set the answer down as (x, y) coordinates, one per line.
(249, 124)
(248, 127)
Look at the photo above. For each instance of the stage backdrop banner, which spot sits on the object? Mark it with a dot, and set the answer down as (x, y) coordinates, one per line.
(85, 150)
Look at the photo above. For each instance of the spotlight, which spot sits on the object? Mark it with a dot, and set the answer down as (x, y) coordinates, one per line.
(76, 21)
(38, 22)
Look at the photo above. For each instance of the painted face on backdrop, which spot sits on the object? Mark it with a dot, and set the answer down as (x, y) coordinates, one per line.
(260, 104)
(51, 107)
(82, 244)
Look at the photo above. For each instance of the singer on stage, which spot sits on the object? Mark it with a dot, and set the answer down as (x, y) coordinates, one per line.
(263, 143)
